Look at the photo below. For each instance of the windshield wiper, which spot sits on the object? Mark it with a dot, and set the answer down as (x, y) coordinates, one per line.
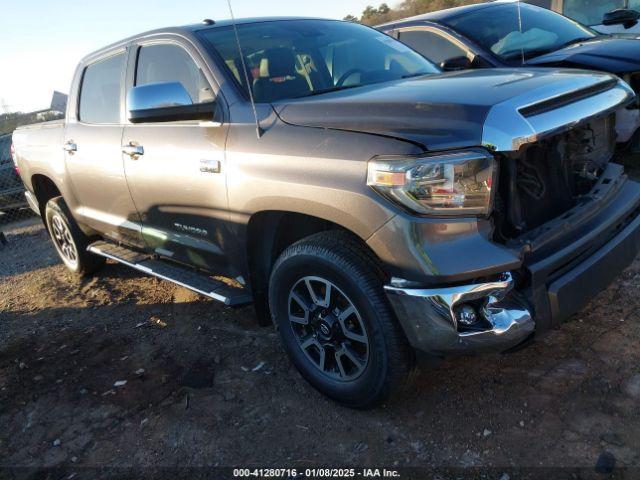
(418, 74)
(514, 54)
(329, 90)
(574, 41)
(345, 87)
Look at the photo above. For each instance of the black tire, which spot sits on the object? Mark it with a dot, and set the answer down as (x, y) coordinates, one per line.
(360, 373)
(69, 241)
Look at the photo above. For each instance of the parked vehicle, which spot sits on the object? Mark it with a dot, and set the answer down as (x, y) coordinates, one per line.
(608, 16)
(508, 34)
(368, 204)
(11, 187)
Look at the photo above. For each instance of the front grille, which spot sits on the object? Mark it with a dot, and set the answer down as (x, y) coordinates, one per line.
(549, 178)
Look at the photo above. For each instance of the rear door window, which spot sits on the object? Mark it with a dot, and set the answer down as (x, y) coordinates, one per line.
(100, 91)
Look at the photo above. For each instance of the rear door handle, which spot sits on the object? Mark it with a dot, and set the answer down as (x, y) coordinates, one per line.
(70, 147)
(134, 151)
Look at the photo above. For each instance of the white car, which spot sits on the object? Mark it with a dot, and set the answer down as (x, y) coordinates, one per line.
(593, 12)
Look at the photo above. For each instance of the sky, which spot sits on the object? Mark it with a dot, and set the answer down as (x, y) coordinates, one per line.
(41, 41)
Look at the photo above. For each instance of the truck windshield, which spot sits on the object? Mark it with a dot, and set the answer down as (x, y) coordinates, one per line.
(514, 32)
(298, 58)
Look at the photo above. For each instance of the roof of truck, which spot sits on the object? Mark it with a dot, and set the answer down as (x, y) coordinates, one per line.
(194, 27)
(241, 21)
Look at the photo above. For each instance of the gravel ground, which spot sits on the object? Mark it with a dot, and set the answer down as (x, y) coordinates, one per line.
(206, 386)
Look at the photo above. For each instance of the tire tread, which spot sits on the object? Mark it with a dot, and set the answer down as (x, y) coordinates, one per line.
(88, 263)
(343, 250)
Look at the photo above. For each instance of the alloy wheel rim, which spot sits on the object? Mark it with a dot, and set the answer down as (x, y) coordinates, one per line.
(64, 241)
(328, 328)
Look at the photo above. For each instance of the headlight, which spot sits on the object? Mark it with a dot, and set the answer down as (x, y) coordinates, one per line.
(450, 183)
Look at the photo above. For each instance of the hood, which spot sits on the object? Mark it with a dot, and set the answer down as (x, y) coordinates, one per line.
(616, 54)
(443, 111)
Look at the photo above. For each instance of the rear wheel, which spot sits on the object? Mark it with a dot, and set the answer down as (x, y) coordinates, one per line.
(327, 300)
(69, 241)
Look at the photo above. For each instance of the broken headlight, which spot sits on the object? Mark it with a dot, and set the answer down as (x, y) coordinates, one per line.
(448, 183)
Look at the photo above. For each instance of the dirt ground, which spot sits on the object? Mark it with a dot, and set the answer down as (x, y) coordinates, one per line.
(205, 386)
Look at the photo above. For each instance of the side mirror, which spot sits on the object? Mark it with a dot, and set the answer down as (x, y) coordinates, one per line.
(456, 63)
(165, 102)
(621, 16)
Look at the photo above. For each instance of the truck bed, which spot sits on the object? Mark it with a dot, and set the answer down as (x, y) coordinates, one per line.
(39, 150)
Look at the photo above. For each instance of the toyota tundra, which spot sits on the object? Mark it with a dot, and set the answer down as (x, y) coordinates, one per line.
(369, 205)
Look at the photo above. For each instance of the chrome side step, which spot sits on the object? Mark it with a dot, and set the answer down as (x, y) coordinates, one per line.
(227, 293)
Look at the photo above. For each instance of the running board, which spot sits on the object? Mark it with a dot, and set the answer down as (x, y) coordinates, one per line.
(219, 290)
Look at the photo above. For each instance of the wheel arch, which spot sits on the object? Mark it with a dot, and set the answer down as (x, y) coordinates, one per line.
(44, 190)
(269, 233)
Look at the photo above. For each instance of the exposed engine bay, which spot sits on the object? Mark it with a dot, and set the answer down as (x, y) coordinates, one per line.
(545, 179)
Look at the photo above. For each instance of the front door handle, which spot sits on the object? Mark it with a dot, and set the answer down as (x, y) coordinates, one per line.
(134, 151)
(70, 147)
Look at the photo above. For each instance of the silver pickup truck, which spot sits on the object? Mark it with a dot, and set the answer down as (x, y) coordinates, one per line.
(368, 204)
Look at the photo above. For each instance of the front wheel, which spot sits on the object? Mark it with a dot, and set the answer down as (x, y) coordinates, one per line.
(70, 242)
(327, 300)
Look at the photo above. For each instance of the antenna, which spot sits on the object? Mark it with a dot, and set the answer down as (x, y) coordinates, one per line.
(244, 70)
(520, 27)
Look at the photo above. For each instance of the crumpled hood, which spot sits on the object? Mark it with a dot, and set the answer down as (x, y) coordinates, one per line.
(616, 54)
(437, 111)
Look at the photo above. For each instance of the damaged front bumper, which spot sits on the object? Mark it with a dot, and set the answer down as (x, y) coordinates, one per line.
(430, 317)
(563, 274)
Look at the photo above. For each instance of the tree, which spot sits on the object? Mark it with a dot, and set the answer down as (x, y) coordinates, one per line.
(10, 121)
(407, 8)
(369, 15)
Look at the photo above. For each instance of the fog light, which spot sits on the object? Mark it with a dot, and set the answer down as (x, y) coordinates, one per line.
(467, 316)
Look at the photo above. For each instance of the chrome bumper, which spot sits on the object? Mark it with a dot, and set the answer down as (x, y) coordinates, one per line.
(429, 320)
(553, 109)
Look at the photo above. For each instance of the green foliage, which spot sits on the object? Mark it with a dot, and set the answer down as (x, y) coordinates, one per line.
(408, 8)
(10, 121)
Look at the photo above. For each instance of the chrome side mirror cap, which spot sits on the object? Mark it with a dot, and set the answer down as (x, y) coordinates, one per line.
(165, 102)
